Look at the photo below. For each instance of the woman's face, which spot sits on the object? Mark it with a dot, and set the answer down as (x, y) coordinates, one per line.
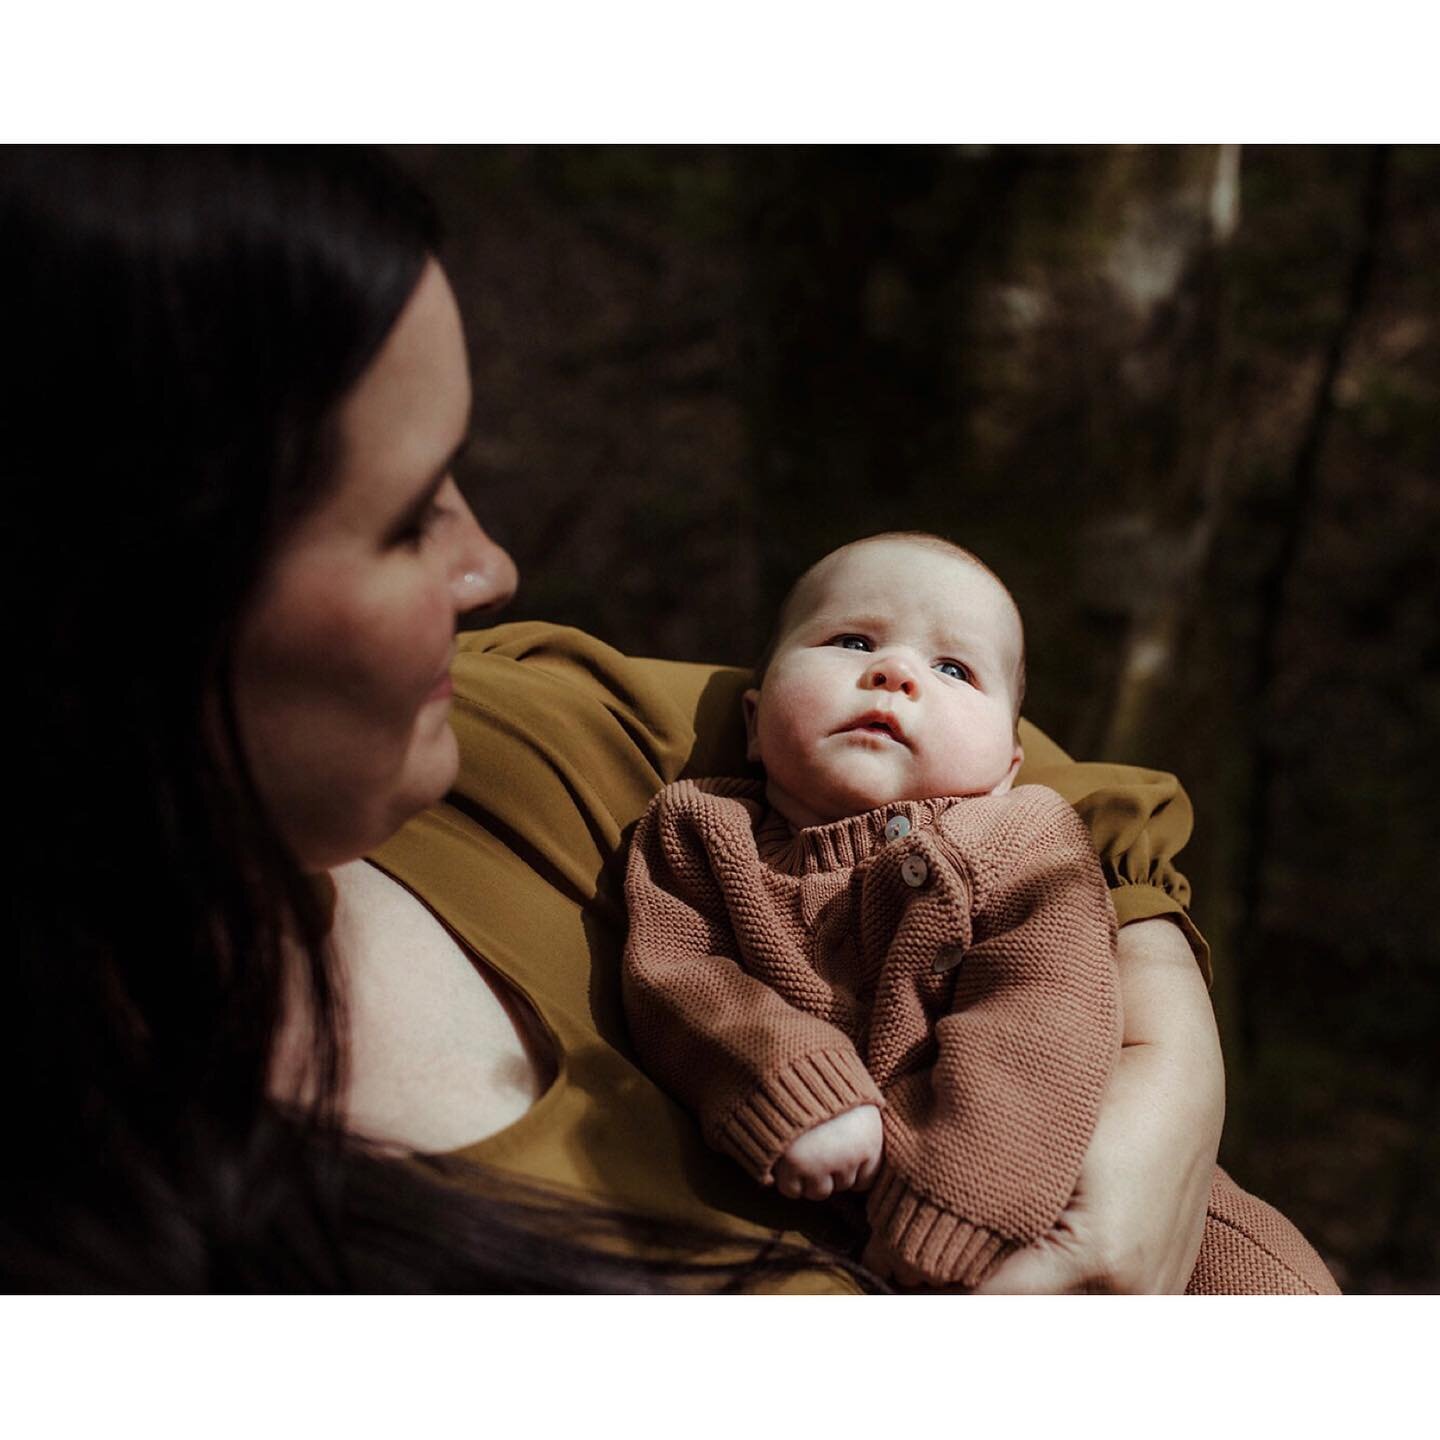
(343, 671)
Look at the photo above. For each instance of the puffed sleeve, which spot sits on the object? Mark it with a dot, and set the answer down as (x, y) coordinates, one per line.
(1138, 821)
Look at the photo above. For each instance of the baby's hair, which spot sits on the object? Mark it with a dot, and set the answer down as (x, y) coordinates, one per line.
(909, 537)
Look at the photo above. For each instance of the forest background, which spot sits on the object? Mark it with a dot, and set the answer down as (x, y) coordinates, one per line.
(1184, 399)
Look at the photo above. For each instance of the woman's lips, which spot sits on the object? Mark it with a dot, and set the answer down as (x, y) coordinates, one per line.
(444, 687)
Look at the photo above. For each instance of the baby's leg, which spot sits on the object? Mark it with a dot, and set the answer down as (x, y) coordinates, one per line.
(1250, 1248)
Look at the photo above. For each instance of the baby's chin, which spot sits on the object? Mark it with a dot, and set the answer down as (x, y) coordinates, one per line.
(806, 809)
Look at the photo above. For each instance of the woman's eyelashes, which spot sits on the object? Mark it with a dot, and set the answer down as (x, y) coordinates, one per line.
(415, 531)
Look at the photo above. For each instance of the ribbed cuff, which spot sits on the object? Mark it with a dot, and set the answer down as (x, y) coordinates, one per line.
(808, 1091)
(945, 1248)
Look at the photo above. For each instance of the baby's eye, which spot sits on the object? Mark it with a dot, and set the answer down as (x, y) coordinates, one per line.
(850, 642)
(955, 670)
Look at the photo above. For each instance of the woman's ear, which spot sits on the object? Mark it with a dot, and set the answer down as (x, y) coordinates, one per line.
(750, 704)
(1016, 761)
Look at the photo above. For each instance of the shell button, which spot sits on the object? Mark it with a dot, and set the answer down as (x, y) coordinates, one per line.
(897, 827)
(914, 871)
(947, 960)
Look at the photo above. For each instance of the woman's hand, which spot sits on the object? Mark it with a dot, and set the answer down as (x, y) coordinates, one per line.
(1135, 1221)
(838, 1154)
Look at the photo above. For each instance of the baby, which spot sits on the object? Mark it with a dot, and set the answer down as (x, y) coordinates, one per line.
(888, 969)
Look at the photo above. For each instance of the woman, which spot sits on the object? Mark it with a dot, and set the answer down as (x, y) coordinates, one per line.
(236, 387)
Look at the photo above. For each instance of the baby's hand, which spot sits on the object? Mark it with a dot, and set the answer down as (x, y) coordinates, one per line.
(839, 1154)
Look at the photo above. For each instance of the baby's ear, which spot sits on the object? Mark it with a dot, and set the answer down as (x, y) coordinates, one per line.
(1016, 761)
(750, 705)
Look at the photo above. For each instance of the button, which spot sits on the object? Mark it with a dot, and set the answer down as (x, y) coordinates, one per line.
(947, 960)
(897, 827)
(914, 871)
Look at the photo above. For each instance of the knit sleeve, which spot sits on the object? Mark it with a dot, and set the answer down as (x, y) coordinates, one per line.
(983, 1144)
(1138, 819)
(755, 1070)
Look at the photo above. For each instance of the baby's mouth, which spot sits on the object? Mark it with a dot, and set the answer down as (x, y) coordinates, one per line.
(877, 722)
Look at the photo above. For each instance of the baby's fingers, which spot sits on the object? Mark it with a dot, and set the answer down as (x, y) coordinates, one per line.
(866, 1177)
(819, 1187)
(788, 1180)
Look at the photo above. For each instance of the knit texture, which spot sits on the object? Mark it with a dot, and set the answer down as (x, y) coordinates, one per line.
(1250, 1248)
(961, 976)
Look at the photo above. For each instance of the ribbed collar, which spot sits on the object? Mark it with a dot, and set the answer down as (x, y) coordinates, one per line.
(842, 844)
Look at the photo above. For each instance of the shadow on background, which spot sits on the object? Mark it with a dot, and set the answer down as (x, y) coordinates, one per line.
(1186, 400)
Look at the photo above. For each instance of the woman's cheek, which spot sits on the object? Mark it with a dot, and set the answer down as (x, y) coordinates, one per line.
(411, 629)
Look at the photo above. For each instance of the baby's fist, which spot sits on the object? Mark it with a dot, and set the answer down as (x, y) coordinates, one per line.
(839, 1154)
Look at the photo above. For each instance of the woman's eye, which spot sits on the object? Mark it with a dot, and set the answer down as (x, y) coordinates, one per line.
(955, 670)
(415, 533)
(850, 642)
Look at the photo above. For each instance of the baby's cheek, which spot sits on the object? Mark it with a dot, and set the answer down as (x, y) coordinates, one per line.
(785, 749)
(988, 724)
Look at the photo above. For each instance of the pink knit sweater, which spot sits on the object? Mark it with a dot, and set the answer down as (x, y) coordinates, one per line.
(950, 960)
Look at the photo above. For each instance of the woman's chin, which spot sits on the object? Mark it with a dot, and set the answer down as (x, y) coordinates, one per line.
(430, 771)
(441, 764)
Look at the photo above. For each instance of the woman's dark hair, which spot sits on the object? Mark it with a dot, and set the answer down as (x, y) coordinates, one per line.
(179, 327)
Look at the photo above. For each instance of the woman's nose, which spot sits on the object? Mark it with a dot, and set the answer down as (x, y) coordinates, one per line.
(484, 577)
(891, 672)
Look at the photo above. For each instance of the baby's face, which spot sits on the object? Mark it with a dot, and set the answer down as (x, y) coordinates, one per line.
(891, 681)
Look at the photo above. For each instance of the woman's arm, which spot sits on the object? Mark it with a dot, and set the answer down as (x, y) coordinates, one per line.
(1136, 1219)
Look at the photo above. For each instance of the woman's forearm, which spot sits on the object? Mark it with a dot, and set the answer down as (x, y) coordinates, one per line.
(1167, 1010)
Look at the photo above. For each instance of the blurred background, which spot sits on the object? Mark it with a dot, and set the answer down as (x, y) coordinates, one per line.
(1184, 399)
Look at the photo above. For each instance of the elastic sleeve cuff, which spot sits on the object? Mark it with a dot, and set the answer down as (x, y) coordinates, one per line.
(945, 1248)
(807, 1092)
(1149, 902)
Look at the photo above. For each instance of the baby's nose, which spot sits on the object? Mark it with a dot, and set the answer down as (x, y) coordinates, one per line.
(890, 672)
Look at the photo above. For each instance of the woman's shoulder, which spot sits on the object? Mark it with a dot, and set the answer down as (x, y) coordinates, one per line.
(687, 714)
(552, 722)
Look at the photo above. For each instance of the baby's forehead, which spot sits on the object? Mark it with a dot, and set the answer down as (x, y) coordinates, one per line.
(892, 576)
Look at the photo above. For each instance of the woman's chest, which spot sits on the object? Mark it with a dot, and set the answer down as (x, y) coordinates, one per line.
(440, 1054)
